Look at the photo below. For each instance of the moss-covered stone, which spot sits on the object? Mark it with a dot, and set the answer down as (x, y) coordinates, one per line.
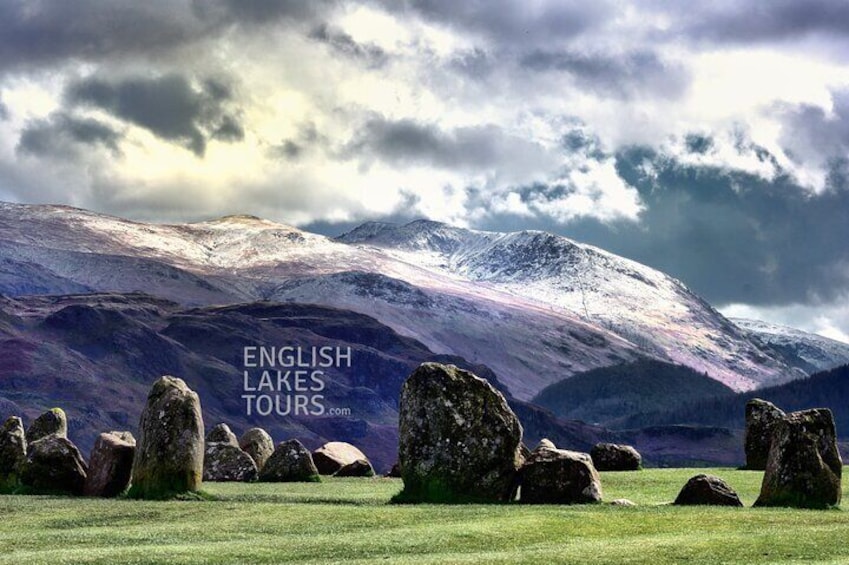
(290, 462)
(222, 433)
(54, 465)
(170, 450)
(804, 466)
(52, 422)
(707, 490)
(458, 438)
(13, 453)
(225, 462)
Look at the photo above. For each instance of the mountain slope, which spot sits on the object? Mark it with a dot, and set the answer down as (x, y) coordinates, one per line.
(609, 395)
(534, 307)
(810, 352)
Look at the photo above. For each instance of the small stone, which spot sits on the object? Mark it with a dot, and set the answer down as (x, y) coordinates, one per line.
(225, 462)
(558, 476)
(614, 457)
(358, 468)
(334, 455)
(622, 502)
(707, 490)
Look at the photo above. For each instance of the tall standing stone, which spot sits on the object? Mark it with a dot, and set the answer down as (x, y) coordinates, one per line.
(52, 422)
(110, 465)
(804, 466)
(170, 450)
(13, 453)
(258, 444)
(458, 438)
(761, 418)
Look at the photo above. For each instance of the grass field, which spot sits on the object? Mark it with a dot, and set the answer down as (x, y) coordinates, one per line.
(350, 520)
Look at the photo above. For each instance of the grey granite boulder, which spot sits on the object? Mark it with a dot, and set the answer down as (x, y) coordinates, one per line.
(110, 466)
(54, 465)
(290, 462)
(52, 422)
(615, 457)
(258, 444)
(559, 476)
(761, 418)
(707, 490)
(13, 453)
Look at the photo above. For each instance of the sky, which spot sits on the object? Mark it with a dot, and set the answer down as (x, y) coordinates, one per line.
(709, 140)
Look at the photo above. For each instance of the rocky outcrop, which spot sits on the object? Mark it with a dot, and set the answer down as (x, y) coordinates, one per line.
(52, 422)
(170, 450)
(221, 433)
(110, 465)
(54, 465)
(804, 468)
(290, 462)
(225, 462)
(13, 453)
(334, 455)
(614, 457)
(558, 476)
(458, 438)
(258, 444)
(761, 418)
(707, 490)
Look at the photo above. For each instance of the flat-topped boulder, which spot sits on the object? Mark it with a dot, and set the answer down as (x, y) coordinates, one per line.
(258, 444)
(54, 465)
(290, 462)
(334, 455)
(459, 441)
(559, 476)
(615, 457)
(804, 467)
(707, 490)
(110, 465)
(52, 422)
(761, 418)
(13, 453)
(170, 449)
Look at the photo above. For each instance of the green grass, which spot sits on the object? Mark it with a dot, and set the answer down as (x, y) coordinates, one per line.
(350, 520)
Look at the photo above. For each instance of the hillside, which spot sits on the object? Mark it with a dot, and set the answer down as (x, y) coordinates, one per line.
(807, 351)
(610, 395)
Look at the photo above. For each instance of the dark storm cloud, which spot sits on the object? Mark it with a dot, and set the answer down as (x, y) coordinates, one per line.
(344, 44)
(510, 21)
(763, 20)
(170, 106)
(809, 134)
(731, 236)
(33, 33)
(411, 142)
(65, 136)
(261, 11)
(621, 75)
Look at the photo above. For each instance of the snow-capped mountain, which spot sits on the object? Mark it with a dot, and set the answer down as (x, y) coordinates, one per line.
(808, 351)
(533, 306)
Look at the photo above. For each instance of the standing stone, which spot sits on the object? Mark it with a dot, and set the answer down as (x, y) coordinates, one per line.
(225, 462)
(395, 471)
(761, 417)
(614, 457)
(358, 468)
(52, 422)
(707, 490)
(221, 433)
(458, 438)
(169, 454)
(334, 455)
(290, 462)
(559, 476)
(110, 466)
(13, 453)
(54, 465)
(804, 466)
(258, 444)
